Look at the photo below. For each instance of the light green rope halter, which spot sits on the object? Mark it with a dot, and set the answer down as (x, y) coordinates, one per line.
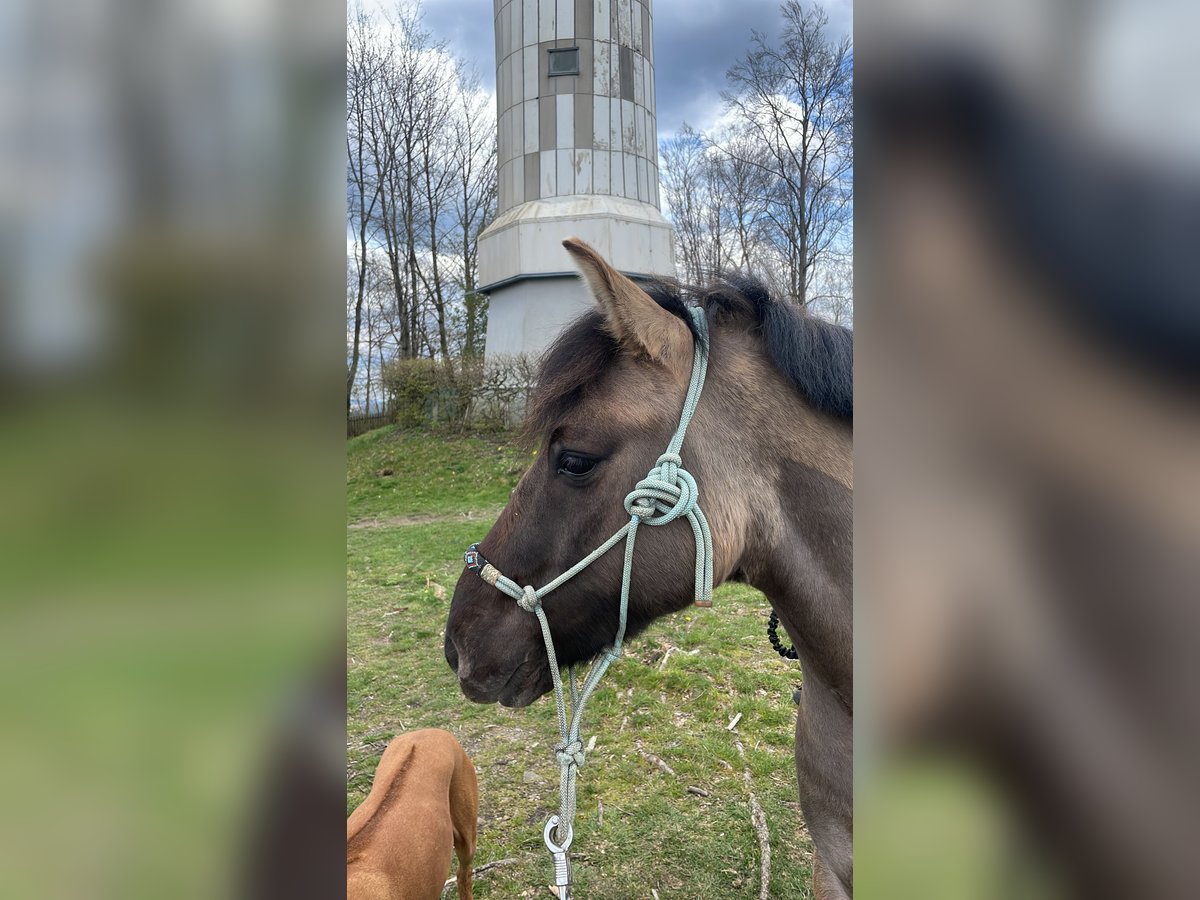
(667, 493)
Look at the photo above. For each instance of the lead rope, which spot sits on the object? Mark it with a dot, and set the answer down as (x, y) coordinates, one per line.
(666, 493)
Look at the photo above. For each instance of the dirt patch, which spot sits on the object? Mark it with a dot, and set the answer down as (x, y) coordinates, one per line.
(424, 519)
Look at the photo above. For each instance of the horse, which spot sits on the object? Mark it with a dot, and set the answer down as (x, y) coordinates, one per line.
(421, 811)
(769, 447)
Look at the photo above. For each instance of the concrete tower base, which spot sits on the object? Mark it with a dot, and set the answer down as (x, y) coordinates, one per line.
(533, 290)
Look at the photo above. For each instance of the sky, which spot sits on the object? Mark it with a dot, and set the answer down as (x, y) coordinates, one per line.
(695, 43)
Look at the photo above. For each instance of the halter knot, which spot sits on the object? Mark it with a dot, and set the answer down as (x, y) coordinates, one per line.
(668, 464)
(529, 599)
(570, 754)
(667, 492)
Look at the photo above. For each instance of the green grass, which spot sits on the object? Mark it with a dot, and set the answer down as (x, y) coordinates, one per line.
(431, 474)
(654, 833)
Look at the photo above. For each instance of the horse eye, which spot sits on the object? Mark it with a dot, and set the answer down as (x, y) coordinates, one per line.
(574, 465)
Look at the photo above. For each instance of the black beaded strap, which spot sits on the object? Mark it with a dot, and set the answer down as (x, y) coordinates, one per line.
(773, 635)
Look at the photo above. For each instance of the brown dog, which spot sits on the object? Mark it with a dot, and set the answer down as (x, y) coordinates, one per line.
(421, 811)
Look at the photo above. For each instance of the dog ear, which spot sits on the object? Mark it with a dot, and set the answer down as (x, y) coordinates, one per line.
(633, 317)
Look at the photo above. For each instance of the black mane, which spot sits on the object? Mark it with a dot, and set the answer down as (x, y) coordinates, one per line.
(815, 356)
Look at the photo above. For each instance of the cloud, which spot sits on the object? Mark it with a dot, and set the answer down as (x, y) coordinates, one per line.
(469, 28)
(694, 43)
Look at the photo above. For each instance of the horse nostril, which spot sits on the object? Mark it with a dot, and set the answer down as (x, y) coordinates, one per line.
(451, 653)
(460, 664)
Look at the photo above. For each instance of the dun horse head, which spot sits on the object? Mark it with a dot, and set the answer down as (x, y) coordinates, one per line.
(606, 403)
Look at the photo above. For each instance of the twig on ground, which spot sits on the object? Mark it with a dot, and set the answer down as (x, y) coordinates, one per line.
(733, 722)
(650, 757)
(698, 791)
(662, 665)
(758, 819)
(482, 870)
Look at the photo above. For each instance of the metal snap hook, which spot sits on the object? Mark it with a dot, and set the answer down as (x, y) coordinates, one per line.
(562, 862)
(551, 824)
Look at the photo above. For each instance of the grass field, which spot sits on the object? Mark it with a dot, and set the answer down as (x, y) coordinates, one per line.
(416, 500)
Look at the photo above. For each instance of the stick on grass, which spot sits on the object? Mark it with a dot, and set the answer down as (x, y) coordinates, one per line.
(655, 760)
(758, 819)
(482, 870)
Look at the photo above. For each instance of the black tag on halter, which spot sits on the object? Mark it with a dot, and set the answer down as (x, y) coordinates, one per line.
(475, 560)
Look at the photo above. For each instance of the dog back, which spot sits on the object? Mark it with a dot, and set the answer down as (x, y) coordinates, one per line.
(421, 810)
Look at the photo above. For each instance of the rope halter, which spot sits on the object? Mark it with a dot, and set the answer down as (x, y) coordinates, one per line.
(668, 492)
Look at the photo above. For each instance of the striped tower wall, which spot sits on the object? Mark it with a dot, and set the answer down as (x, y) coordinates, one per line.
(577, 156)
(591, 133)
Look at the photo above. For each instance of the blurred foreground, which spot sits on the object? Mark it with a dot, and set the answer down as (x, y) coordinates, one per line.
(1028, 496)
(172, 257)
(171, 368)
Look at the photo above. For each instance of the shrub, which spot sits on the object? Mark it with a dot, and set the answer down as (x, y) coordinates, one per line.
(459, 392)
(502, 390)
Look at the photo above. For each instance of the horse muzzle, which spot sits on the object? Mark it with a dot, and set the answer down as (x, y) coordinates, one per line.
(510, 685)
(525, 684)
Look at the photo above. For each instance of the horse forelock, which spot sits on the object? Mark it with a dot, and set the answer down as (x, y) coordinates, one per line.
(572, 365)
(815, 356)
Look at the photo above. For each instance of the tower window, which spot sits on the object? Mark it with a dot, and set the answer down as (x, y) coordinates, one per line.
(564, 61)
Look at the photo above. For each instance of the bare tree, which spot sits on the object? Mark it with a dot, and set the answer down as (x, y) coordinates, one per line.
(473, 156)
(743, 170)
(684, 190)
(412, 101)
(832, 297)
(793, 99)
(363, 68)
(699, 186)
(421, 186)
(437, 187)
(771, 192)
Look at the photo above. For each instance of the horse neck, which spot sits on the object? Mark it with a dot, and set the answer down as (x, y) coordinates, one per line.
(804, 566)
(785, 521)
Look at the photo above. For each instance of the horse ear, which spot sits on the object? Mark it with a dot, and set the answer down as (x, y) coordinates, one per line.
(633, 317)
